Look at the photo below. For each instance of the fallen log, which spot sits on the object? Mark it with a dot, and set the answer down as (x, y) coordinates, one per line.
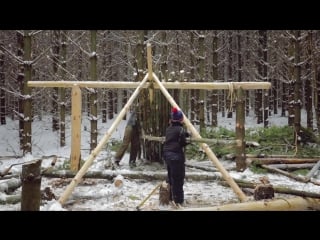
(205, 140)
(292, 166)
(10, 199)
(266, 161)
(205, 168)
(290, 204)
(147, 175)
(282, 190)
(313, 170)
(10, 185)
(290, 175)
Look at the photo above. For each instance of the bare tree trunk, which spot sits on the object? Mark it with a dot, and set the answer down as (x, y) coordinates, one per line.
(291, 69)
(27, 105)
(297, 88)
(2, 92)
(201, 72)
(104, 91)
(240, 132)
(55, 64)
(62, 95)
(308, 84)
(20, 81)
(215, 76)
(93, 92)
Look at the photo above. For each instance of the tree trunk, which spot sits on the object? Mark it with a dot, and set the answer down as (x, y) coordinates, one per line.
(240, 132)
(27, 105)
(62, 91)
(215, 76)
(2, 92)
(201, 72)
(297, 88)
(20, 81)
(308, 93)
(55, 64)
(93, 92)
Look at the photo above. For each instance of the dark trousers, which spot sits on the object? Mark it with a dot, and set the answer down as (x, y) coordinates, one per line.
(176, 174)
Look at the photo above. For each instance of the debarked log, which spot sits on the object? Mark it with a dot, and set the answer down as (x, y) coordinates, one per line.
(289, 204)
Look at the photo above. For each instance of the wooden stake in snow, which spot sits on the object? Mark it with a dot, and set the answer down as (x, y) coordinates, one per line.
(31, 182)
(75, 181)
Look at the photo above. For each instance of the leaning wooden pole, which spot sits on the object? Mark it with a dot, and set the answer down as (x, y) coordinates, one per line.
(64, 196)
(204, 146)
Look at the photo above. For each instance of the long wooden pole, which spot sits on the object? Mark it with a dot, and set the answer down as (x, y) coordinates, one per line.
(205, 140)
(167, 85)
(65, 195)
(75, 128)
(288, 204)
(204, 146)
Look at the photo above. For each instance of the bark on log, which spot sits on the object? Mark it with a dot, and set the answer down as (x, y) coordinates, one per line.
(260, 161)
(290, 204)
(290, 175)
(282, 190)
(261, 155)
(147, 175)
(292, 166)
(313, 170)
(205, 168)
(10, 185)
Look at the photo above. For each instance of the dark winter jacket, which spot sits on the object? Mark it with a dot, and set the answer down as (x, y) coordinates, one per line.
(175, 138)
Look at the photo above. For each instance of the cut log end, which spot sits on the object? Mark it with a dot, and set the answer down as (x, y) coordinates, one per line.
(263, 191)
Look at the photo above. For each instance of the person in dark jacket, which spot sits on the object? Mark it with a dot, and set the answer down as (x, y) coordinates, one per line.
(174, 157)
(131, 136)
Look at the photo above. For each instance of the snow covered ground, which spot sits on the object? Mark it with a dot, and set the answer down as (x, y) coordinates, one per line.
(103, 194)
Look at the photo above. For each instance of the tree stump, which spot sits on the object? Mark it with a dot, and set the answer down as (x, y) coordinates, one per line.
(264, 190)
(31, 183)
(164, 193)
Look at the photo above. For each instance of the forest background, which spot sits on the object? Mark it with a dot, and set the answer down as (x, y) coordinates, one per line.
(288, 59)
